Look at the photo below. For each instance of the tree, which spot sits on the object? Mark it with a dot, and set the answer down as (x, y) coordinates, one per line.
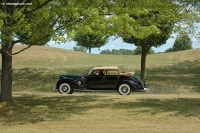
(19, 24)
(161, 14)
(150, 23)
(35, 22)
(79, 48)
(182, 42)
(91, 40)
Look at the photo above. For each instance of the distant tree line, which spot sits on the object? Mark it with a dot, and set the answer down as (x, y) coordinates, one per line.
(118, 52)
(136, 51)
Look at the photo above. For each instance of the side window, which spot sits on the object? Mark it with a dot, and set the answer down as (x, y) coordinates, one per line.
(112, 72)
(101, 73)
(97, 72)
(94, 73)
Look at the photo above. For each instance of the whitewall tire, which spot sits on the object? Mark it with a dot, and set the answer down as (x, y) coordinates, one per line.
(124, 89)
(65, 88)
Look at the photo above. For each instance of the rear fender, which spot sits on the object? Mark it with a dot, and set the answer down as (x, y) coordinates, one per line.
(124, 82)
(134, 85)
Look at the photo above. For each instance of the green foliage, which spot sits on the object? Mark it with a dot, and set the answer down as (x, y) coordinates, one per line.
(169, 50)
(158, 17)
(107, 51)
(151, 51)
(126, 26)
(160, 14)
(118, 52)
(91, 40)
(182, 42)
(79, 48)
(137, 51)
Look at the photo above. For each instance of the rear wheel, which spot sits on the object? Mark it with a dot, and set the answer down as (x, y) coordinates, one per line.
(124, 89)
(65, 88)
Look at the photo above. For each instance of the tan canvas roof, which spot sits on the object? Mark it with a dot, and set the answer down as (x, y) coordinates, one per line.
(106, 67)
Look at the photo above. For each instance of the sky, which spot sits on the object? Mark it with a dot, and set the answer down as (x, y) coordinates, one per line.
(119, 44)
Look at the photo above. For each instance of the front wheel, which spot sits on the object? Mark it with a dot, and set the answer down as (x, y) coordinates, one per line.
(124, 89)
(80, 81)
(65, 88)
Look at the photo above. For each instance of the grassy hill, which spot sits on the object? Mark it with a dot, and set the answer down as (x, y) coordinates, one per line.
(38, 68)
(36, 108)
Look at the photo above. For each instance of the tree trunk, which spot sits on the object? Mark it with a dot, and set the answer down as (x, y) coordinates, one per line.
(89, 49)
(145, 51)
(6, 77)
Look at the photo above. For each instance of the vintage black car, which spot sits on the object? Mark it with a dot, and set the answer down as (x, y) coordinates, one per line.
(101, 78)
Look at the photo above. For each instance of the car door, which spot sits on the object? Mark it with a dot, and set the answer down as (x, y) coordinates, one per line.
(95, 81)
(111, 79)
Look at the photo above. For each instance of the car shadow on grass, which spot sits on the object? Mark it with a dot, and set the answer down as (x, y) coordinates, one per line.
(34, 109)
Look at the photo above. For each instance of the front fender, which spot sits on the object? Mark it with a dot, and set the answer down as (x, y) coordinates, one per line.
(66, 80)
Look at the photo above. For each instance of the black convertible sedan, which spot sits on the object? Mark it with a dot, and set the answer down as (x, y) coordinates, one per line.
(101, 78)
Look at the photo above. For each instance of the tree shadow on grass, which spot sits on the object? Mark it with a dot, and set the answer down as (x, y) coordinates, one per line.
(173, 77)
(40, 79)
(177, 107)
(34, 109)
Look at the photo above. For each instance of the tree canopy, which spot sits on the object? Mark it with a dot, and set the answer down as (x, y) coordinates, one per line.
(79, 48)
(162, 15)
(182, 42)
(91, 41)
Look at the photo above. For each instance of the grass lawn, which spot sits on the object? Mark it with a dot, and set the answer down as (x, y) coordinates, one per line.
(172, 105)
(101, 112)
